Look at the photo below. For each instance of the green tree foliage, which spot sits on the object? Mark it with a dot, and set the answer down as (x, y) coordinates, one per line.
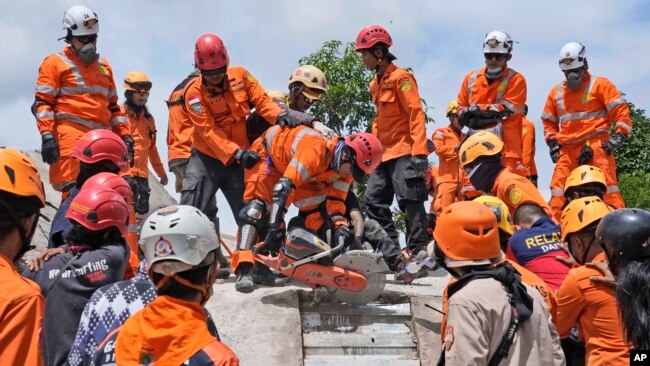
(635, 189)
(633, 158)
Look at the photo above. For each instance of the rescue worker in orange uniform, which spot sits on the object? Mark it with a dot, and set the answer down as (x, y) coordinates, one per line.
(590, 304)
(21, 304)
(143, 130)
(496, 87)
(299, 166)
(493, 318)
(75, 93)
(528, 147)
(400, 126)
(577, 118)
(179, 243)
(446, 141)
(480, 157)
(584, 181)
(218, 103)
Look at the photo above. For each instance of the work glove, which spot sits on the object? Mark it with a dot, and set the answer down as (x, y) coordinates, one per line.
(284, 119)
(49, 148)
(586, 154)
(273, 240)
(420, 164)
(128, 141)
(532, 179)
(613, 143)
(357, 243)
(247, 158)
(323, 130)
(466, 114)
(342, 232)
(554, 150)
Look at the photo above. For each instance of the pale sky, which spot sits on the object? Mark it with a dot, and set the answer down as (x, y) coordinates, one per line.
(440, 41)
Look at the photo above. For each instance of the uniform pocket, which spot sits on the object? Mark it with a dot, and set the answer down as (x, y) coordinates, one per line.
(388, 104)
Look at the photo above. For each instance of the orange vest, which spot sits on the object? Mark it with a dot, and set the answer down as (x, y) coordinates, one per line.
(445, 140)
(143, 132)
(573, 116)
(400, 124)
(179, 131)
(71, 92)
(515, 190)
(220, 119)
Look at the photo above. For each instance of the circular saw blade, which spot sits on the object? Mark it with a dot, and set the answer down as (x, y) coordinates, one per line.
(372, 266)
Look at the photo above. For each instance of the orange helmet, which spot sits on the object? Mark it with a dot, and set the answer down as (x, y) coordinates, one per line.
(370, 36)
(96, 145)
(467, 233)
(582, 212)
(19, 176)
(482, 143)
(137, 81)
(585, 174)
(367, 150)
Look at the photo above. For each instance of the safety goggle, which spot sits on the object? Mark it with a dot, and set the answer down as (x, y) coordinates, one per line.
(141, 87)
(495, 56)
(87, 39)
(90, 22)
(213, 72)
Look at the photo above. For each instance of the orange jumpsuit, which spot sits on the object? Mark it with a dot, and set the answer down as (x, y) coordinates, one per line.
(528, 147)
(170, 331)
(143, 132)
(515, 190)
(220, 119)
(400, 122)
(584, 116)
(448, 183)
(71, 99)
(506, 92)
(21, 315)
(593, 307)
(431, 180)
(179, 132)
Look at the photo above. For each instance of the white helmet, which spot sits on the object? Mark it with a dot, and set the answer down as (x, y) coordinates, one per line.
(177, 238)
(497, 42)
(80, 21)
(572, 56)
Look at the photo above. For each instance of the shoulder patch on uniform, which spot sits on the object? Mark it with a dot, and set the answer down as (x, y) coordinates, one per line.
(524, 130)
(195, 104)
(102, 68)
(502, 88)
(404, 84)
(251, 78)
(514, 194)
(449, 338)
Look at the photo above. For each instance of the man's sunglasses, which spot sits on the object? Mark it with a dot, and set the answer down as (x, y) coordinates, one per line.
(142, 87)
(214, 72)
(87, 39)
(495, 56)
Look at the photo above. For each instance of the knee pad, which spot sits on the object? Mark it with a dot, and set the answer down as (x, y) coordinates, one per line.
(253, 213)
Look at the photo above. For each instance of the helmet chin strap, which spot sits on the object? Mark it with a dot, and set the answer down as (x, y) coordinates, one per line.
(205, 289)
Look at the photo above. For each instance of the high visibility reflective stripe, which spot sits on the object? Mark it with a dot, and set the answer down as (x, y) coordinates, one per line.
(501, 90)
(550, 117)
(587, 93)
(559, 98)
(299, 136)
(133, 228)
(614, 103)
(581, 115)
(314, 200)
(74, 70)
(45, 114)
(76, 119)
(624, 125)
(112, 93)
(612, 189)
(557, 192)
(84, 89)
(470, 84)
(47, 89)
(270, 135)
(117, 120)
(582, 139)
(304, 174)
(341, 185)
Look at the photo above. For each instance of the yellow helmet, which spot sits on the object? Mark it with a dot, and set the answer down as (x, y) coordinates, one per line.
(585, 174)
(500, 210)
(312, 78)
(278, 96)
(137, 81)
(482, 143)
(582, 212)
(452, 108)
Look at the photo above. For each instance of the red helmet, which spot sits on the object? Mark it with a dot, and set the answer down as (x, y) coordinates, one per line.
(98, 145)
(367, 149)
(97, 208)
(112, 181)
(210, 53)
(371, 35)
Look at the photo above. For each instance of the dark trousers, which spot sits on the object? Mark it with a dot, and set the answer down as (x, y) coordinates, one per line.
(205, 175)
(376, 236)
(396, 178)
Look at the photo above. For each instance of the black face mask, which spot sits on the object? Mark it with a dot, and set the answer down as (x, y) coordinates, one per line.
(358, 174)
(88, 170)
(484, 176)
(440, 259)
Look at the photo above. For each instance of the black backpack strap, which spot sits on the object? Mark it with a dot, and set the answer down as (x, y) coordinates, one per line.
(61, 272)
(508, 338)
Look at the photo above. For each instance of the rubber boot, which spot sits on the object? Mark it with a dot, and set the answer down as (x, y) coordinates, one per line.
(244, 278)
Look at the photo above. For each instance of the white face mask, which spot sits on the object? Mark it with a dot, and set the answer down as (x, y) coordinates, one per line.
(88, 54)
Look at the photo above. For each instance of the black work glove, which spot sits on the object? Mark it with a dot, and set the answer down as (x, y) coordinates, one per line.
(420, 164)
(247, 158)
(357, 243)
(284, 119)
(613, 143)
(466, 115)
(554, 150)
(586, 154)
(49, 148)
(273, 240)
(342, 232)
(532, 179)
(431, 221)
(128, 141)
